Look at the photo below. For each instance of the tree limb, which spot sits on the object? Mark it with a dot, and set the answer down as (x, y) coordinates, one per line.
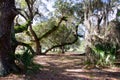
(64, 44)
(53, 29)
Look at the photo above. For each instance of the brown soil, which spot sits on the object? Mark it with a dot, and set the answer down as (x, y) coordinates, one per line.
(66, 67)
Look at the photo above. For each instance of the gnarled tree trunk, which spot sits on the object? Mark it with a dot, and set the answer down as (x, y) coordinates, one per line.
(7, 14)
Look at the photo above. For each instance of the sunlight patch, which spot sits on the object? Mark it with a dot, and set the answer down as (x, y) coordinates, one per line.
(74, 70)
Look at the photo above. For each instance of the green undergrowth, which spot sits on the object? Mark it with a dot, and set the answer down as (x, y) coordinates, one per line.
(104, 54)
(26, 63)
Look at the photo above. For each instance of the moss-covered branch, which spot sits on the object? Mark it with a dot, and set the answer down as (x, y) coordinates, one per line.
(53, 29)
(67, 43)
(21, 28)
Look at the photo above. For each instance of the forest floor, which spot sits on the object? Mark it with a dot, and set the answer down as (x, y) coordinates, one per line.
(66, 67)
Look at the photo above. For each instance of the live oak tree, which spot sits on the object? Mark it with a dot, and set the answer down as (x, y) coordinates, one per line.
(58, 37)
(7, 15)
(28, 14)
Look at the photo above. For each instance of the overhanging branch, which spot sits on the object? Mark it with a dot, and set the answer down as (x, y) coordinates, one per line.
(64, 44)
(53, 29)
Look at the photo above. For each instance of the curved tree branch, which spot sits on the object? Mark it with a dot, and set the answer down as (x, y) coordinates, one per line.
(64, 44)
(53, 29)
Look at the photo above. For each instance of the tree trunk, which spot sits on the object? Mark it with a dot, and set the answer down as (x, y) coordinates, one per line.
(7, 14)
(62, 49)
(38, 46)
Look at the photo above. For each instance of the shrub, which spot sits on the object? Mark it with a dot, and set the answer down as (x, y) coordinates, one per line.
(25, 62)
(104, 53)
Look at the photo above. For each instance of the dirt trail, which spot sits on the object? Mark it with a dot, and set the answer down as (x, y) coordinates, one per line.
(66, 67)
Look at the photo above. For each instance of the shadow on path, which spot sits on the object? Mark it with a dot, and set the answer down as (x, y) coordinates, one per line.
(70, 68)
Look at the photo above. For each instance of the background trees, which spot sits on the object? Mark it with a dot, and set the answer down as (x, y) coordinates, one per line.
(66, 18)
(99, 21)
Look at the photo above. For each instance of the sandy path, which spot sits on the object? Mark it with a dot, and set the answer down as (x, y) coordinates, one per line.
(66, 68)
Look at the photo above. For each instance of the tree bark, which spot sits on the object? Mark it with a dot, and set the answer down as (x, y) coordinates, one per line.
(38, 46)
(62, 49)
(7, 14)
